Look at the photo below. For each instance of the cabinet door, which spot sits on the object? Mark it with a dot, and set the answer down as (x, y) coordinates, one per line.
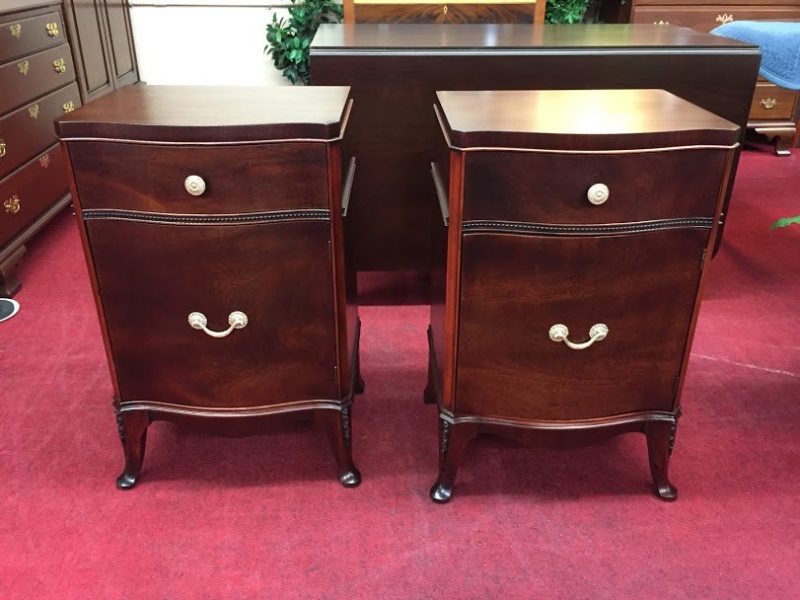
(87, 35)
(514, 288)
(120, 42)
(152, 276)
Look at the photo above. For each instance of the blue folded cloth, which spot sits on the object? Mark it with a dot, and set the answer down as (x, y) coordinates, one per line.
(780, 48)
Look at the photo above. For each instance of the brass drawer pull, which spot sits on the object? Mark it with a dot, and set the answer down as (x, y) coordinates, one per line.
(24, 67)
(769, 103)
(444, 9)
(33, 111)
(16, 30)
(52, 29)
(661, 22)
(68, 106)
(60, 65)
(725, 18)
(560, 333)
(12, 205)
(236, 320)
(2, 148)
(598, 194)
(195, 185)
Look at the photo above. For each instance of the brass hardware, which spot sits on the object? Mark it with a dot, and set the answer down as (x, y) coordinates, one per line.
(769, 103)
(725, 18)
(16, 30)
(24, 67)
(560, 333)
(195, 185)
(236, 320)
(444, 10)
(12, 205)
(660, 22)
(44, 161)
(598, 194)
(33, 111)
(59, 65)
(2, 148)
(52, 29)
(68, 106)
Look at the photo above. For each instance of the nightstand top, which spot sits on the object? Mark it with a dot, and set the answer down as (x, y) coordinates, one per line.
(579, 120)
(211, 114)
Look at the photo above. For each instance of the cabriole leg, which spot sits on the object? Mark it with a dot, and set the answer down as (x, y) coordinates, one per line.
(337, 424)
(132, 427)
(453, 440)
(660, 441)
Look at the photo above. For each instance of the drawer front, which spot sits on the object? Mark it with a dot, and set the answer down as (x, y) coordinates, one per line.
(30, 191)
(29, 130)
(151, 277)
(247, 178)
(773, 103)
(29, 35)
(707, 18)
(444, 13)
(553, 188)
(515, 288)
(34, 76)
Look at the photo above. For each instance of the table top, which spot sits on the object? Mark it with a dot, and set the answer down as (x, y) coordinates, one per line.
(579, 120)
(437, 38)
(211, 114)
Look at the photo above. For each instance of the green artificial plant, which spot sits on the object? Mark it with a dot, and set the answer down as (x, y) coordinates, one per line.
(785, 222)
(566, 11)
(288, 41)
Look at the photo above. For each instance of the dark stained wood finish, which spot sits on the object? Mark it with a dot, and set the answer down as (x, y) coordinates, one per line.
(445, 13)
(522, 258)
(394, 71)
(180, 114)
(771, 102)
(29, 34)
(34, 76)
(29, 129)
(266, 241)
(239, 179)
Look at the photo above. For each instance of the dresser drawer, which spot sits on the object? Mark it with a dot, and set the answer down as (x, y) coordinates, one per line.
(34, 76)
(29, 191)
(706, 18)
(459, 12)
(242, 178)
(25, 36)
(29, 130)
(773, 102)
(515, 288)
(552, 188)
(151, 277)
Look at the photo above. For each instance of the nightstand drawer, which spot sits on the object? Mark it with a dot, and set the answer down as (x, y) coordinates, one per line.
(515, 288)
(554, 188)
(34, 76)
(25, 36)
(29, 191)
(232, 179)
(153, 276)
(773, 102)
(29, 130)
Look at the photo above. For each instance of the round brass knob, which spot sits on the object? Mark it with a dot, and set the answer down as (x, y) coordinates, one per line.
(195, 185)
(598, 194)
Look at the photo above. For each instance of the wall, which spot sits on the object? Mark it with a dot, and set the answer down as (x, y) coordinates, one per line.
(204, 42)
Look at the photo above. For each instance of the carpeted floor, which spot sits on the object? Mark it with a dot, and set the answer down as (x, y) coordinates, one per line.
(263, 517)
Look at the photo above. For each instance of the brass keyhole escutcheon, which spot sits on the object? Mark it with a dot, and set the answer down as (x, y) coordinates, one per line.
(12, 205)
(444, 10)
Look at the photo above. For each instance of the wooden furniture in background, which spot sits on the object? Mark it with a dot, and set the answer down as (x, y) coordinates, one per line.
(577, 225)
(775, 111)
(438, 11)
(394, 69)
(42, 49)
(213, 235)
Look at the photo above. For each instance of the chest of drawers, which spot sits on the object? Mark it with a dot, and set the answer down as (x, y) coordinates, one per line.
(437, 11)
(567, 287)
(212, 225)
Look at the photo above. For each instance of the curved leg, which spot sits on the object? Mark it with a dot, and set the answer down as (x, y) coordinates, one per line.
(337, 424)
(132, 427)
(660, 441)
(453, 440)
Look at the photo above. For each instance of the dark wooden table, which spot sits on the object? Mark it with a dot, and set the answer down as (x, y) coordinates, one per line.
(394, 70)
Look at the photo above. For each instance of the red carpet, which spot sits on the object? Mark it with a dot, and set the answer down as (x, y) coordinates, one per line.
(264, 517)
